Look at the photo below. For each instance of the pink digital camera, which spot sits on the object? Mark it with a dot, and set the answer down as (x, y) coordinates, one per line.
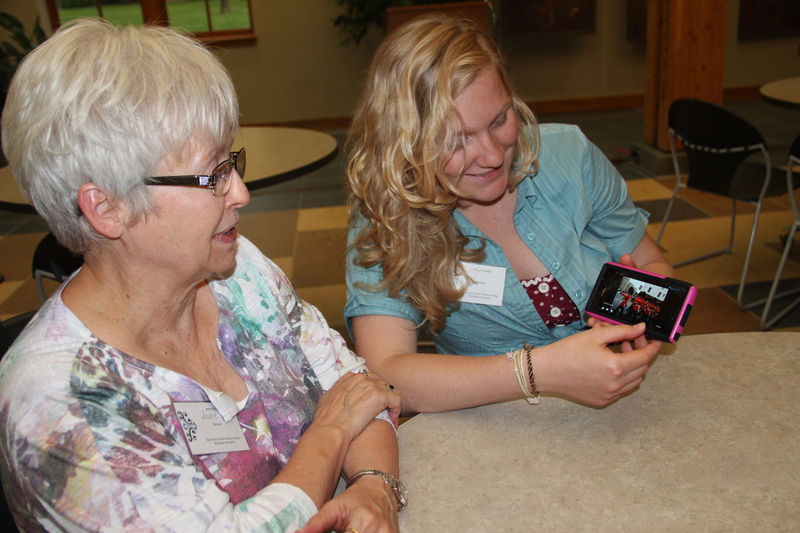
(624, 295)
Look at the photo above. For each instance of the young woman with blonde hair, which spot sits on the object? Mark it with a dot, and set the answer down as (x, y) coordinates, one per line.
(452, 180)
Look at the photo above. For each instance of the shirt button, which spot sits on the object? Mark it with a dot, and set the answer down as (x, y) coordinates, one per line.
(543, 288)
(579, 294)
(555, 312)
(555, 266)
(530, 236)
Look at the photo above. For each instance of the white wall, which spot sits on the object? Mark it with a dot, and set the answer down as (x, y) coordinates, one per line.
(297, 70)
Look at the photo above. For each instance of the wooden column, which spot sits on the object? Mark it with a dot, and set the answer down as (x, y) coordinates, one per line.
(685, 58)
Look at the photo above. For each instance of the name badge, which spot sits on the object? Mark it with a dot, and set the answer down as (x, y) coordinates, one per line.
(206, 431)
(488, 284)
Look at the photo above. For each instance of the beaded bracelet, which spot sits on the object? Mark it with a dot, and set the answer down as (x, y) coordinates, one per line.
(534, 398)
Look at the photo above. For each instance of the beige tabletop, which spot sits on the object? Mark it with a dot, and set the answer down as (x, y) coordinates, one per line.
(782, 92)
(710, 442)
(278, 154)
(273, 155)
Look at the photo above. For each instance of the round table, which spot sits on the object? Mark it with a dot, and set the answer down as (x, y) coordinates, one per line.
(782, 92)
(273, 155)
(710, 442)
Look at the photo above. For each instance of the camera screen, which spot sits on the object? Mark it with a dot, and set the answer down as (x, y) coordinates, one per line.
(629, 297)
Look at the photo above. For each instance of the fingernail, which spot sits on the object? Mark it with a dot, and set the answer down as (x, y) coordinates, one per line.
(640, 325)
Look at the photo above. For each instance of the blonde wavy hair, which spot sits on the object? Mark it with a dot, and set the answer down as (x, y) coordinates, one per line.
(400, 140)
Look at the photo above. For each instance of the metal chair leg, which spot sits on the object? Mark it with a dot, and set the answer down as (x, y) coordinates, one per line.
(767, 323)
(678, 186)
(740, 292)
(37, 275)
(666, 214)
(718, 252)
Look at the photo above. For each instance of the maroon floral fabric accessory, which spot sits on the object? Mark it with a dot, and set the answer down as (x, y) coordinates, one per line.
(551, 301)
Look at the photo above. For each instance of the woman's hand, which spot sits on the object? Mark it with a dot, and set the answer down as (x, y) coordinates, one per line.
(367, 507)
(638, 342)
(582, 367)
(354, 401)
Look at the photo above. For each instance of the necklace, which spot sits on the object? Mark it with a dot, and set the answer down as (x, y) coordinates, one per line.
(497, 230)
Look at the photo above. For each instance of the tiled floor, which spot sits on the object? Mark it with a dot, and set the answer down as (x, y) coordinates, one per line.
(301, 225)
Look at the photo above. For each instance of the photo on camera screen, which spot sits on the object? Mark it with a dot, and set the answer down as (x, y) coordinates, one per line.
(630, 297)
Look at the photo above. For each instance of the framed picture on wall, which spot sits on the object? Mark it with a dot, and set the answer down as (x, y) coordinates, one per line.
(550, 16)
(759, 19)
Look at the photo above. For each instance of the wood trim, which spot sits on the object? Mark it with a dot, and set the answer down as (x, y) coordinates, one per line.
(52, 14)
(227, 38)
(155, 12)
(750, 92)
(594, 103)
(587, 104)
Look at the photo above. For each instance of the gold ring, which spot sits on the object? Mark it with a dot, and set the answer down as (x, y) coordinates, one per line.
(389, 387)
(353, 530)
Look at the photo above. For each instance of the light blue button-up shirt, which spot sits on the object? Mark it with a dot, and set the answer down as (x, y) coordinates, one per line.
(574, 213)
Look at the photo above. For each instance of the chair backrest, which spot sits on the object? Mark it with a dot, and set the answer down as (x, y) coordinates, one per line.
(11, 328)
(52, 257)
(716, 142)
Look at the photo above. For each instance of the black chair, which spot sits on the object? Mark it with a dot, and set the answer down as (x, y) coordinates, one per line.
(766, 321)
(6, 518)
(51, 260)
(9, 331)
(11, 328)
(721, 150)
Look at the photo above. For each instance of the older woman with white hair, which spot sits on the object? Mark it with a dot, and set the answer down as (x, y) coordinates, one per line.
(175, 382)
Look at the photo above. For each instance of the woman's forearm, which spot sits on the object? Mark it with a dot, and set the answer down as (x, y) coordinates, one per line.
(438, 382)
(647, 256)
(579, 366)
(375, 448)
(316, 463)
(370, 503)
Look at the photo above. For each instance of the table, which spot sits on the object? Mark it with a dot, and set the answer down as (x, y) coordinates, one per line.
(784, 92)
(274, 155)
(710, 442)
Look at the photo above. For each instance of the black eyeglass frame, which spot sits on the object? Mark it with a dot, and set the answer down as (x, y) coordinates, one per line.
(221, 174)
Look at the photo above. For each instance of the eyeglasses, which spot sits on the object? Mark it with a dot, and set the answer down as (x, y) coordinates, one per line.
(219, 181)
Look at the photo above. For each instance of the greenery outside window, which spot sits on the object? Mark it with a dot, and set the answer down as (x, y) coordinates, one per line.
(208, 20)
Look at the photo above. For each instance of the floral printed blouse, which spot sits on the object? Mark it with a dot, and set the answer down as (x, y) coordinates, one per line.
(90, 439)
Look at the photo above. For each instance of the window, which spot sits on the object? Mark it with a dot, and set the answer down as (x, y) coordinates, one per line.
(208, 20)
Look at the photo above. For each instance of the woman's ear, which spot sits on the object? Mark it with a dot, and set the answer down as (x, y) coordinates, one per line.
(105, 214)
